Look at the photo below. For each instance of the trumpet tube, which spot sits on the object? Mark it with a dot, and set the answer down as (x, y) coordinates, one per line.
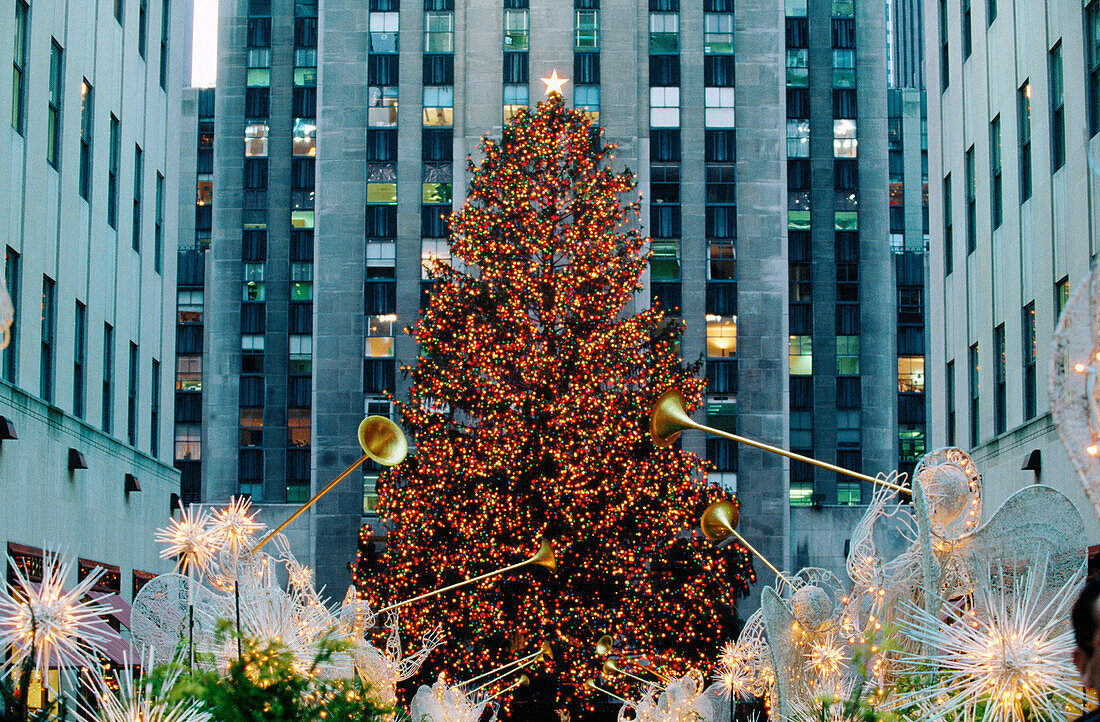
(610, 666)
(523, 681)
(502, 667)
(316, 497)
(663, 677)
(669, 418)
(591, 684)
(544, 558)
(499, 677)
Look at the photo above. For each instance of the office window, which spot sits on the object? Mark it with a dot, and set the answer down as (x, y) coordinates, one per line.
(718, 34)
(911, 374)
(112, 173)
(432, 250)
(1000, 391)
(801, 355)
(966, 30)
(53, 112)
(845, 143)
(975, 421)
(158, 226)
(383, 32)
(1092, 60)
(586, 30)
(1061, 298)
(255, 140)
(721, 336)
(971, 204)
(87, 111)
(80, 349)
(189, 372)
(516, 29)
(948, 229)
(154, 409)
(108, 377)
(439, 32)
(19, 66)
(664, 107)
(298, 427)
(381, 108)
(1029, 356)
(379, 336)
(798, 139)
(847, 355)
(382, 183)
(798, 73)
(945, 67)
(49, 322)
(719, 107)
(1023, 127)
(949, 401)
(1057, 110)
(143, 27)
(664, 33)
(165, 28)
(131, 397)
(12, 278)
(844, 69)
(139, 182)
(721, 260)
(188, 442)
(996, 211)
(438, 105)
(586, 98)
(664, 263)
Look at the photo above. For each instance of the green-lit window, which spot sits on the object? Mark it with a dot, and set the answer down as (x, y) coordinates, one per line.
(798, 138)
(844, 68)
(846, 220)
(721, 336)
(302, 220)
(801, 355)
(305, 77)
(848, 493)
(664, 264)
(253, 282)
(911, 442)
(798, 73)
(301, 281)
(847, 355)
(795, 8)
(586, 30)
(382, 183)
(516, 29)
(664, 33)
(718, 33)
(802, 493)
(844, 8)
(439, 32)
(437, 193)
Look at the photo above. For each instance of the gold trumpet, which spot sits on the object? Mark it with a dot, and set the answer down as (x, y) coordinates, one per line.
(382, 441)
(544, 557)
(523, 681)
(544, 653)
(590, 683)
(720, 520)
(669, 419)
(604, 647)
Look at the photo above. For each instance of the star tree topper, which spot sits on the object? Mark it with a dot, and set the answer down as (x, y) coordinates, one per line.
(554, 83)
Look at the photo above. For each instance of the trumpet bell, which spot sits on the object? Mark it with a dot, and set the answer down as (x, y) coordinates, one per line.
(546, 652)
(383, 441)
(590, 683)
(523, 680)
(719, 520)
(545, 557)
(668, 419)
(609, 667)
(604, 645)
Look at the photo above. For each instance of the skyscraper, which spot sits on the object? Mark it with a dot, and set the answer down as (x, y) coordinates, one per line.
(340, 146)
(90, 258)
(1013, 121)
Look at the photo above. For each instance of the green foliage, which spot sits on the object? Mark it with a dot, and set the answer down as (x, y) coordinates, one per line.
(265, 685)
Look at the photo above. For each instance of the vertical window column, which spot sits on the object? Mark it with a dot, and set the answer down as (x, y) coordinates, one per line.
(113, 162)
(996, 210)
(975, 420)
(1000, 391)
(87, 122)
(53, 110)
(131, 397)
(80, 350)
(12, 278)
(19, 67)
(1023, 127)
(1030, 354)
(108, 406)
(49, 327)
(586, 57)
(1057, 109)
(139, 182)
(516, 43)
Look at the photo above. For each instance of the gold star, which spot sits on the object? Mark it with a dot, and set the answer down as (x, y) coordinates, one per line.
(554, 83)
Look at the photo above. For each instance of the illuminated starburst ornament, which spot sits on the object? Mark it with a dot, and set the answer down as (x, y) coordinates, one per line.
(53, 627)
(129, 696)
(734, 672)
(189, 540)
(234, 527)
(1011, 653)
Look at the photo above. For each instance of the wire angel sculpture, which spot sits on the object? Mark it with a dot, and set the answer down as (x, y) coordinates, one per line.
(384, 668)
(443, 702)
(681, 700)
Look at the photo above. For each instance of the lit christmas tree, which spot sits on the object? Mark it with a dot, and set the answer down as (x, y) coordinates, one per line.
(529, 406)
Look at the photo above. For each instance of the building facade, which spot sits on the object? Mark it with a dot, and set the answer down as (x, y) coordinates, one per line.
(1013, 109)
(341, 135)
(91, 167)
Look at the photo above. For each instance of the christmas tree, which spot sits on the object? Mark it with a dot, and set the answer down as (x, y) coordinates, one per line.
(529, 406)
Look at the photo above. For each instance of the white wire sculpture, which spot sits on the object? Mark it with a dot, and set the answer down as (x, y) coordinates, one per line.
(134, 696)
(686, 699)
(443, 702)
(1074, 391)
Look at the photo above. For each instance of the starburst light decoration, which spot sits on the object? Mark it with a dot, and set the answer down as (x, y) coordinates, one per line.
(189, 540)
(48, 625)
(1008, 659)
(234, 527)
(132, 696)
